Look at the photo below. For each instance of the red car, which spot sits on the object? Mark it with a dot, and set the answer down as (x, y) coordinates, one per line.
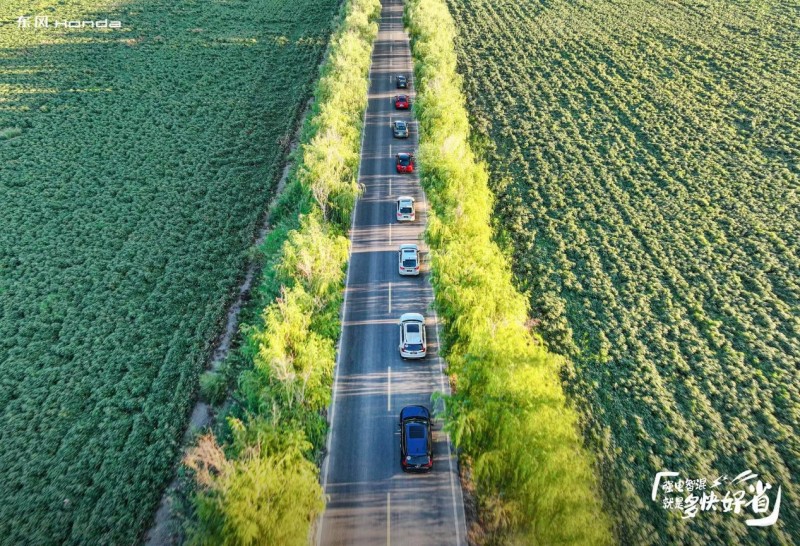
(401, 102)
(405, 162)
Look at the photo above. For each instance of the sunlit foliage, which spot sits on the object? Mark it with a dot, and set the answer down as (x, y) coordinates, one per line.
(265, 492)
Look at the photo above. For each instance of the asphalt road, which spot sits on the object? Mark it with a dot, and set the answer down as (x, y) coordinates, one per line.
(370, 499)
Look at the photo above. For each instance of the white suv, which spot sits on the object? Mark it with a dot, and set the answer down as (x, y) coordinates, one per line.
(405, 209)
(412, 336)
(408, 259)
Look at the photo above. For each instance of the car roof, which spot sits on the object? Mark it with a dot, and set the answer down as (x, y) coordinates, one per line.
(401, 97)
(414, 411)
(416, 446)
(403, 155)
(406, 317)
(405, 198)
(399, 122)
(409, 247)
(413, 338)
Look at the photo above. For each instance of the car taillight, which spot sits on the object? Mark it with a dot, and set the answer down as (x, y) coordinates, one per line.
(405, 346)
(429, 463)
(416, 268)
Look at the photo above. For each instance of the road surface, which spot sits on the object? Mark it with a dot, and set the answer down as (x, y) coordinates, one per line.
(371, 500)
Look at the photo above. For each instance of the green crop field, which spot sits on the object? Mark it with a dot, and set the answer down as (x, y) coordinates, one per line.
(645, 156)
(135, 164)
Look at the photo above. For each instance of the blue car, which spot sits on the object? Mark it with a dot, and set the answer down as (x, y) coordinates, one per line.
(416, 440)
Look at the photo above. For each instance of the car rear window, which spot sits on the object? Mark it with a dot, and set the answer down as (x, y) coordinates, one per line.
(414, 347)
(409, 262)
(405, 160)
(406, 210)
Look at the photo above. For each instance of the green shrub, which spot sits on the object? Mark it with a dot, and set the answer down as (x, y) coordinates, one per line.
(266, 493)
(213, 387)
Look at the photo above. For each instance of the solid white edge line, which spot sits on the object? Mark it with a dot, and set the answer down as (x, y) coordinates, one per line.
(389, 391)
(390, 296)
(332, 412)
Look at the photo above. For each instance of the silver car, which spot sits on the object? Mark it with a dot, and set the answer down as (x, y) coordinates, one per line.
(400, 129)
